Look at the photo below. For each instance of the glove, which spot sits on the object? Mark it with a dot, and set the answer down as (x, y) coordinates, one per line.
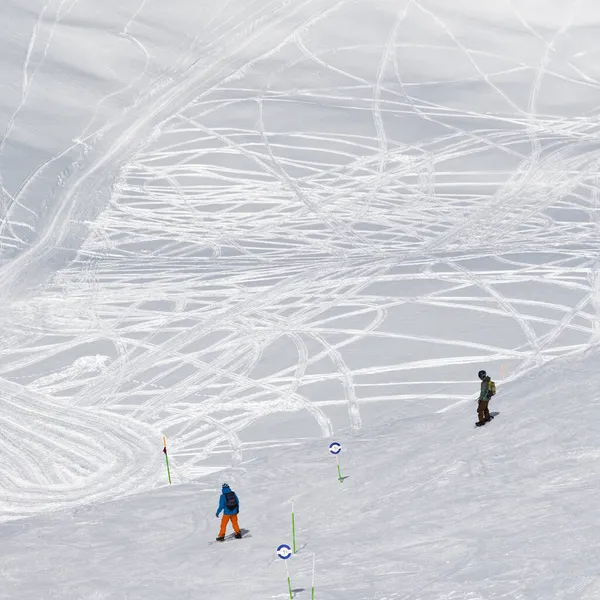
(217, 515)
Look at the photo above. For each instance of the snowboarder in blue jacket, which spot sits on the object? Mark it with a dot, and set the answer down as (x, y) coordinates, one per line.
(229, 505)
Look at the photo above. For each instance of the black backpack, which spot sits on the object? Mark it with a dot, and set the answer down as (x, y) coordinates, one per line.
(231, 501)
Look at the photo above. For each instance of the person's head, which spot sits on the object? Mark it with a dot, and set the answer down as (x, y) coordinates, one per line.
(482, 375)
(225, 485)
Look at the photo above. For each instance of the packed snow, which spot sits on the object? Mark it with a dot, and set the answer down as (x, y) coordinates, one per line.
(255, 227)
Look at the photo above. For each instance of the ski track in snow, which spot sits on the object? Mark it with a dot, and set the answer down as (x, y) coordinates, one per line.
(250, 266)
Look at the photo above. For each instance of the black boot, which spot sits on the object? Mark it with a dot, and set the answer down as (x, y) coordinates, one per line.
(221, 538)
(238, 536)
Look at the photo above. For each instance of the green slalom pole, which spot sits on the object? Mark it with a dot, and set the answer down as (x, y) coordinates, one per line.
(312, 596)
(335, 449)
(285, 553)
(293, 528)
(289, 582)
(167, 459)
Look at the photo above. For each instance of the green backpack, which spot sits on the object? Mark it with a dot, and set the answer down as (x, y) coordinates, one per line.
(491, 389)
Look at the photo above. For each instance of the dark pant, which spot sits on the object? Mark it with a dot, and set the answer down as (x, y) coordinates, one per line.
(483, 412)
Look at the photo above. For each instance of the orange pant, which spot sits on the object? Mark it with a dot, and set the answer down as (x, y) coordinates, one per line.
(225, 520)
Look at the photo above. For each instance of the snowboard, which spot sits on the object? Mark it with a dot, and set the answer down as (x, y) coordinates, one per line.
(492, 415)
(245, 534)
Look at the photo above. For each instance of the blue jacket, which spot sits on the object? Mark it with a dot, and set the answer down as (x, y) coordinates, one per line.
(223, 508)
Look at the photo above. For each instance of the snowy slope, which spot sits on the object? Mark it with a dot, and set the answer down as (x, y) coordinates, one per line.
(432, 508)
(278, 228)
(256, 225)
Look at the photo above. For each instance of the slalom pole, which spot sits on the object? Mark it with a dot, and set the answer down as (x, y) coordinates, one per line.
(312, 596)
(293, 529)
(335, 449)
(287, 571)
(285, 552)
(167, 458)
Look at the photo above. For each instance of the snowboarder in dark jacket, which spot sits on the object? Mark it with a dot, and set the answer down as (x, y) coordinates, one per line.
(229, 505)
(486, 392)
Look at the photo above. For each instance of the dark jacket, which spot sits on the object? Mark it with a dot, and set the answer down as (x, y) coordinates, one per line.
(222, 504)
(485, 389)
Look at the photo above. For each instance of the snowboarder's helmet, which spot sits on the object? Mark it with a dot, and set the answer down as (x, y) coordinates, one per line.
(225, 485)
(482, 374)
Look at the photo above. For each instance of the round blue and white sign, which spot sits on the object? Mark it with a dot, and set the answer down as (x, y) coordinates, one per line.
(284, 551)
(335, 448)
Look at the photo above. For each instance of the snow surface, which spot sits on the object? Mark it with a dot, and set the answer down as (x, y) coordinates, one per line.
(256, 226)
